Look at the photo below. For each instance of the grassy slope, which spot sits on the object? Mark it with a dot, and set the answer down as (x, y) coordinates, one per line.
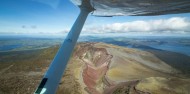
(22, 71)
(176, 60)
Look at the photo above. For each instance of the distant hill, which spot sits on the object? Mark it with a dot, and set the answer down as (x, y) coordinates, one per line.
(98, 68)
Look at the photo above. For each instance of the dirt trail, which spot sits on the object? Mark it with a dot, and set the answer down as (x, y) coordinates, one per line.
(5, 69)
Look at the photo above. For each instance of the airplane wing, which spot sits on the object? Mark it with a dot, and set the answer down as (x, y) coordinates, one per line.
(137, 7)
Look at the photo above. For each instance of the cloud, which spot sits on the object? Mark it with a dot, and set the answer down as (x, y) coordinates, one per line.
(29, 27)
(171, 25)
(52, 3)
(174, 25)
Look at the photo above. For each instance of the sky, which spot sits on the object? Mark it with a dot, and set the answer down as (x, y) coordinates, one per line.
(56, 17)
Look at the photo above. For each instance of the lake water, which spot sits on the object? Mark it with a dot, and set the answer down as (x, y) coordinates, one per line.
(174, 44)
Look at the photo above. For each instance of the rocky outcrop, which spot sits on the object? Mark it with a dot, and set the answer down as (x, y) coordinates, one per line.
(96, 61)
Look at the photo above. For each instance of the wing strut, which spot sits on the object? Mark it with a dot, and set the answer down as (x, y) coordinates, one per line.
(52, 78)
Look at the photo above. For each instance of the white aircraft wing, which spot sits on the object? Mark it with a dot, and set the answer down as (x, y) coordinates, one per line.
(137, 7)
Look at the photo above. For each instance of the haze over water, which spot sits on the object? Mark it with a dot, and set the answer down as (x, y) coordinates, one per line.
(169, 43)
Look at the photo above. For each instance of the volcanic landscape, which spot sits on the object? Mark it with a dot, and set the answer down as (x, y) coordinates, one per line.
(98, 68)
